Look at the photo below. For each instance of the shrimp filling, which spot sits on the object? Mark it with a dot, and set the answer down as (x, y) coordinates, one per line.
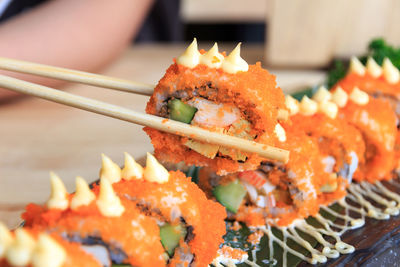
(219, 117)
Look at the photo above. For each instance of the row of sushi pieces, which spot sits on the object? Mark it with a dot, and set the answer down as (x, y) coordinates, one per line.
(347, 133)
(135, 216)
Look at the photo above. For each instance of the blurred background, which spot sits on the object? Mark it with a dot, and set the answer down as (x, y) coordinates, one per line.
(294, 33)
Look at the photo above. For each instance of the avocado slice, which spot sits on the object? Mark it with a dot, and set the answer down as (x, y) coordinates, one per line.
(230, 195)
(180, 111)
(171, 235)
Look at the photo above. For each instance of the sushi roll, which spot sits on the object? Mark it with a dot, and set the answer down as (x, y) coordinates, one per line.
(138, 216)
(181, 208)
(340, 143)
(219, 93)
(379, 82)
(377, 122)
(374, 117)
(28, 247)
(275, 194)
(114, 229)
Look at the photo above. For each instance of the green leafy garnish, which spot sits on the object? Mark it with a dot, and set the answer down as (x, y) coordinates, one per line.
(378, 49)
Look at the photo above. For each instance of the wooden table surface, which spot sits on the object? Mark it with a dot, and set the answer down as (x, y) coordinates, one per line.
(38, 136)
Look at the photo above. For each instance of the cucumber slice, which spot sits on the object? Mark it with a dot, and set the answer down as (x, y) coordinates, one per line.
(179, 111)
(230, 195)
(171, 235)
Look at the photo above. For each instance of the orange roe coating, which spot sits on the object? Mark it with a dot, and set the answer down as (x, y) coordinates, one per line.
(305, 165)
(136, 234)
(233, 253)
(255, 237)
(180, 195)
(336, 136)
(369, 84)
(253, 92)
(377, 122)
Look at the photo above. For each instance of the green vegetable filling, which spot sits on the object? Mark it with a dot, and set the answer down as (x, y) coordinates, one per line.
(179, 111)
(171, 235)
(230, 195)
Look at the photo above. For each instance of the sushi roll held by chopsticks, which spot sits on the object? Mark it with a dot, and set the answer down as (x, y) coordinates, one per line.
(219, 93)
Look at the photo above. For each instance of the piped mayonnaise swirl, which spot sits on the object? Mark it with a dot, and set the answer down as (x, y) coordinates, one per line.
(232, 64)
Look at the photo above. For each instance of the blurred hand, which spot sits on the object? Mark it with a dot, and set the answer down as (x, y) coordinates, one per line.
(77, 34)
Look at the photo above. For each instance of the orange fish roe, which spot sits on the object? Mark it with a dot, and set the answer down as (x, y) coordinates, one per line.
(311, 156)
(232, 253)
(179, 197)
(377, 122)
(251, 216)
(253, 92)
(305, 165)
(335, 136)
(255, 237)
(369, 84)
(134, 233)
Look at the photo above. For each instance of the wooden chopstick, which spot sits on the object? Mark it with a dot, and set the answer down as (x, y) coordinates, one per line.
(152, 121)
(87, 78)
(76, 76)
